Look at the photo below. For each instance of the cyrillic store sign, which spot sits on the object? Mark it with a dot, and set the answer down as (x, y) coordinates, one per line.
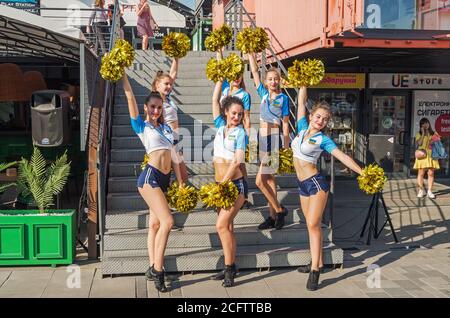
(435, 106)
(409, 81)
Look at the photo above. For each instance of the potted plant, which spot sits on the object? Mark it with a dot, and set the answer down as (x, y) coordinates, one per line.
(42, 236)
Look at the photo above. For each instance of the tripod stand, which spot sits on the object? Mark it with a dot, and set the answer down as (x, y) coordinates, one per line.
(372, 215)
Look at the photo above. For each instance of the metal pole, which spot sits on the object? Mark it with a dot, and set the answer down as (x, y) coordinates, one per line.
(331, 193)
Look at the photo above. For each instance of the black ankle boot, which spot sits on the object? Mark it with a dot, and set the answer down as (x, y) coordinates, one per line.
(150, 273)
(219, 276)
(159, 281)
(230, 273)
(313, 280)
(307, 269)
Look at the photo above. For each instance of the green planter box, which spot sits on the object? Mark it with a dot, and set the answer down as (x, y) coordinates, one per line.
(27, 238)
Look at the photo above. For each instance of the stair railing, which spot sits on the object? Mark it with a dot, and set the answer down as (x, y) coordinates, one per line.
(103, 149)
(235, 13)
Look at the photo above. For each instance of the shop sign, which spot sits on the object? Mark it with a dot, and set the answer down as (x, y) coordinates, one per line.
(409, 81)
(342, 81)
(31, 6)
(435, 106)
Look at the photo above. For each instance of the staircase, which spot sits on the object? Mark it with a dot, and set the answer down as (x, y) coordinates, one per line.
(196, 247)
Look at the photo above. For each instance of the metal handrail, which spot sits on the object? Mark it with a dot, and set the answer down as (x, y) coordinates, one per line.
(105, 133)
(242, 11)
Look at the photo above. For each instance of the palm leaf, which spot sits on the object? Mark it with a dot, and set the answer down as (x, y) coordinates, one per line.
(5, 165)
(38, 163)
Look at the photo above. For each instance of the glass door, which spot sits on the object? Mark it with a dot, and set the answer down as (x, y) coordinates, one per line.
(390, 117)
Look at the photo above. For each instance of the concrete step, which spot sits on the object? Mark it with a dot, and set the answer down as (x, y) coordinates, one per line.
(183, 118)
(186, 142)
(207, 236)
(207, 259)
(193, 109)
(123, 184)
(190, 155)
(206, 130)
(124, 169)
(199, 217)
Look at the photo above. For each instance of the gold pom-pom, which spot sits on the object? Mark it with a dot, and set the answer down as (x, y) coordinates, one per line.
(123, 53)
(144, 162)
(215, 70)
(252, 40)
(230, 68)
(172, 195)
(110, 69)
(372, 179)
(251, 152)
(261, 41)
(113, 63)
(182, 199)
(176, 44)
(221, 196)
(306, 72)
(286, 161)
(233, 67)
(187, 198)
(219, 38)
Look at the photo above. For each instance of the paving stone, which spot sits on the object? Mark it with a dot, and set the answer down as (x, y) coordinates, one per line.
(4, 276)
(250, 285)
(64, 284)
(26, 284)
(141, 287)
(408, 285)
(201, 286)
(116, 287)
(397, 292)
(437, 282)
(421, 294)
(378, 295)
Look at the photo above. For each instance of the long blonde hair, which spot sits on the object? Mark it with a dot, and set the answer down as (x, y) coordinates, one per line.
(273, 70)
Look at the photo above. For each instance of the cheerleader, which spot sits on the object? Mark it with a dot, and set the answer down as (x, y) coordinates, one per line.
(313, 188)
(157, 138)
(163, 83)
(274, 114)
(229, 153)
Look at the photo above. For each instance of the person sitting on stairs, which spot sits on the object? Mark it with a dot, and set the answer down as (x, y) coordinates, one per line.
(157, 138)
(229, 153)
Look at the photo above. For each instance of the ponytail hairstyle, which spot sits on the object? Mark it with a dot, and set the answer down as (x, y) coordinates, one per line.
(160, 75)
(155, 95)
(227, 102)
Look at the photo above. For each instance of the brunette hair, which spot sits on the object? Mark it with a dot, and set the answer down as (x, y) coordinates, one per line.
(155, 95)
(424, 121)
(228, 102)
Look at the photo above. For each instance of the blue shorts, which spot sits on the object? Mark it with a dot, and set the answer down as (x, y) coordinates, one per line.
(155, 178)
(269, 143)
(242, 186)
(312, 185)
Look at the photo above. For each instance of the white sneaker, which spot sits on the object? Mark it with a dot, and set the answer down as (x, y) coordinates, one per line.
(421, 193)
(431, 194)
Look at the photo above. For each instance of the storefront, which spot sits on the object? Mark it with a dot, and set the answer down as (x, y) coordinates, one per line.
(397, 102)
(343, 92)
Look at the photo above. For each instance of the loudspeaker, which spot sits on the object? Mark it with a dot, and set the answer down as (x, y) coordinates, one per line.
(381, 151)
(50, 125)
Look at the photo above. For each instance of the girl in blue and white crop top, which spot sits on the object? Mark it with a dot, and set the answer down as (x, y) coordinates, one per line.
(274, 114)
(312, 186)
(229, 153)
(237, 89)
(154, 180)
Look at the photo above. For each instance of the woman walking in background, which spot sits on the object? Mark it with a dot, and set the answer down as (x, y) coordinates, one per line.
(145, 23)
(424, 161)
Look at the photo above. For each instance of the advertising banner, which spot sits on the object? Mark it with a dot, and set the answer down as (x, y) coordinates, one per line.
(409, 81)
(435, 106)
(27, 5)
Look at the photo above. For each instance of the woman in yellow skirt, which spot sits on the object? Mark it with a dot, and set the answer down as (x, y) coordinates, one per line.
(423, 142)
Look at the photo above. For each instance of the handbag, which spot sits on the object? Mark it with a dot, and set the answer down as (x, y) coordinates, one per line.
(438, 150)
(420, 154)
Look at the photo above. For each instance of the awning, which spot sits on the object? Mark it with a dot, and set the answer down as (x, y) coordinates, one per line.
(27, 34)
